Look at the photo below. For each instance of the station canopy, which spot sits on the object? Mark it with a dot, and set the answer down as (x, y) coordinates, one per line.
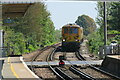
(13, 10)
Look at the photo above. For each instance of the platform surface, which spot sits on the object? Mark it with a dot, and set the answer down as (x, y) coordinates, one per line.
(55, 63)
(114, 56)
(13, 67)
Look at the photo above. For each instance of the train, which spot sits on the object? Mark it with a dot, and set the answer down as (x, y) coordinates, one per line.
(72, 37)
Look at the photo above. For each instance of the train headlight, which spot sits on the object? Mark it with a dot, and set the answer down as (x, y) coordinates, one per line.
(63, 39)
(76, 40)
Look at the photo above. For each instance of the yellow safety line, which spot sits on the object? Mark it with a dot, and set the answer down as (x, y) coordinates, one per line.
(8, 60)
(12, 69)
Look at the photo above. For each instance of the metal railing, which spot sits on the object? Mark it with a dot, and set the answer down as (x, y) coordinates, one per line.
(110, 50)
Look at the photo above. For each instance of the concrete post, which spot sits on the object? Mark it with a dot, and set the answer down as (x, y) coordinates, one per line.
(101, 52)
(1, 40)
(107, 50)
(1, 43)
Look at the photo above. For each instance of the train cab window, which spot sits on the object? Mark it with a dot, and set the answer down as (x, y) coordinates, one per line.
(65, 30)
(70, 31)
(75, 30)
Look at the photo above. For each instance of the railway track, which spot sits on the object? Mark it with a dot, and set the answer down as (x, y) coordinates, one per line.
(39, 56)
(72, 72)
(86, 73)
(67, 72)
(96, 73)
(62, 72)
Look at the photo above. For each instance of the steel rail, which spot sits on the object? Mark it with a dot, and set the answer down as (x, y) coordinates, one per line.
(78, 72)
(66, 77)
(35, 57)
(41, 50)
(81, 74)
(57, 70)
(95, 68)
(72, 68)
(50, 57)
(104, 72)
(77, 53)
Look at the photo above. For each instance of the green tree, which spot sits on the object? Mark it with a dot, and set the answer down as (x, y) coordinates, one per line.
(94, 41)
(96, 38)
(37, 24)
(58, 35)
(31, 31)
(114, 14)
(87, 23)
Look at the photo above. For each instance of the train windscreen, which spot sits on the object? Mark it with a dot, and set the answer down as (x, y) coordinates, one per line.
(65, 30)
(70, 31)
(73, 30)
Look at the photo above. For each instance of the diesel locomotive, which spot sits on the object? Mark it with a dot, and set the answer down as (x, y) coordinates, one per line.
(72, 36)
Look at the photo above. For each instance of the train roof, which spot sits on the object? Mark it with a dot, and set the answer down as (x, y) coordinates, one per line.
(71, 25)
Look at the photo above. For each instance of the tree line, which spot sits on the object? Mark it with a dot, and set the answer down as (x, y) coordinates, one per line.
(30, 32)
(95, 35)
(36, 29)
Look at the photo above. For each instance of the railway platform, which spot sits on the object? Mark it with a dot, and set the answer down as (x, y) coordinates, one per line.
(111, 64)
(15, 68)
(114, 56)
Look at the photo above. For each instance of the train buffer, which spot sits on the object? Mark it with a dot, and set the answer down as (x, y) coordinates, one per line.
(56, 63)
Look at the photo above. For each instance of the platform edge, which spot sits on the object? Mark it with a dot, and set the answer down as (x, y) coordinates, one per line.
(21, 58)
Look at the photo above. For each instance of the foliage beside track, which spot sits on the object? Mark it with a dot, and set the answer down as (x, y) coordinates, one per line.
(96, 36)
(113, 25)
(30, 32)
(87, 23)
(90, 32)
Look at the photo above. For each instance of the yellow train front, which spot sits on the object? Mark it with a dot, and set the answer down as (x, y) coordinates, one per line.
(72, 36)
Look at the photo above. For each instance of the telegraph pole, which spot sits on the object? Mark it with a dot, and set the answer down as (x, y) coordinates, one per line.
(105, 28)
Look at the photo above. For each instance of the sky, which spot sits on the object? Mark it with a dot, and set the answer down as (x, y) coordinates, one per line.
(67, 12)
(64, 12)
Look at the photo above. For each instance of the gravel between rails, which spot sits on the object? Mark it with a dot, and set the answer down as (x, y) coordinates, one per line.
(28, 57)
(95, 74)
(44, 54)
(45, 73)
(56, 55)
(70, 56)
(68, 72)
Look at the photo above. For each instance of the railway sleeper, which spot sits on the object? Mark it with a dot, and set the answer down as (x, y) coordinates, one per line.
(66, 77)
(81, 74)
(78, 55)
(104, 72)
